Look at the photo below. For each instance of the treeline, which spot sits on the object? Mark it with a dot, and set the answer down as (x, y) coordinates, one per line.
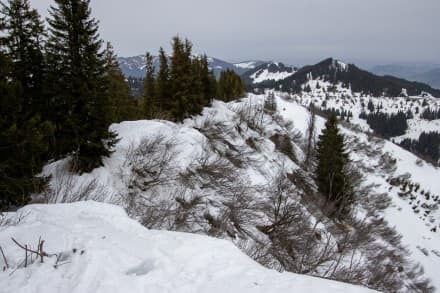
(430, 115)
(340, 113)
(386, 125)
(427, 146)
(184, 84)
(61, 88)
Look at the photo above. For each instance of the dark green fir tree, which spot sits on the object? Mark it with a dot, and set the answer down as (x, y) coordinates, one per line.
(150, 102)
(24, 131)
(122, 105)
(79, 87)
(331, 172)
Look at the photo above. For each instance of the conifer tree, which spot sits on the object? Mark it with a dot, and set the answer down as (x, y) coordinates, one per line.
(122, 106)
(331, 177)
(23, 131)
(149, 89)
(230, 86)
(24, 34)
(184, 101)
(163, 85)
(77, 75)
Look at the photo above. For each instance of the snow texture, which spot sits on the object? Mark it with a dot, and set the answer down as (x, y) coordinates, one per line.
(100, 249)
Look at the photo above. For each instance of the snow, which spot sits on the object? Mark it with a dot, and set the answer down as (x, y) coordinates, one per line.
(102, 250)
(264, 75)
(246, 65)
(415, 229)
(260, 167)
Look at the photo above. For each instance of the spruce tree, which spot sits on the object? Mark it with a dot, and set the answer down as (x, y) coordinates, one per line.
(149, 89)
(77, 74)
(24, 34)
(23, 129)
(181, 80)
(163, 91)
(230, 86)
(331, 177)
(122, 106)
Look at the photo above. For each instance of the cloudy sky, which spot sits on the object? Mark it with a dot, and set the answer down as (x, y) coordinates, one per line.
(293, 31)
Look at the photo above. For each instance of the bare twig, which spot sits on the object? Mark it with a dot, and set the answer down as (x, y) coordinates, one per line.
(4, 258)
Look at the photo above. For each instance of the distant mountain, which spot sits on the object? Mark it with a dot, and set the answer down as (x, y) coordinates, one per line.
(268, 72)
(350, 75)
(135, 66)
(429, 74)
(431, 77)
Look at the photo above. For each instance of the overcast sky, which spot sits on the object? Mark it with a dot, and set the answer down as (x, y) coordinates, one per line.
(293, 31)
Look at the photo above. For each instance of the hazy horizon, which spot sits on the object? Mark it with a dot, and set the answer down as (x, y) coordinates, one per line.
(294, 32)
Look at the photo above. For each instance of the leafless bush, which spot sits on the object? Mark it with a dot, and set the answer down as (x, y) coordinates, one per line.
(150, 163)
(240, 208)
(297, 243)
(283, 143)
(12, 219)
(252, 113)
(65, 187)
(209, 169)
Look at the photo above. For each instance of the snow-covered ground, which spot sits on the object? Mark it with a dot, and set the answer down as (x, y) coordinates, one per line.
(266, 75)
(254, 160)
(246, 65)
(95, 247)
(415, 227)
(342, 98)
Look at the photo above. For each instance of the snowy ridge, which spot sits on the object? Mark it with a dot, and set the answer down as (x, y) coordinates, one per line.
(234, 149)
(100, 249)
(266, 75)
(246, 65)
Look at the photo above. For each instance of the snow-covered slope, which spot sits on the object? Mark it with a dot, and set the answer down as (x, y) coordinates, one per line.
(271, 71)
(95, 247)
(217, 174)
(411, 213)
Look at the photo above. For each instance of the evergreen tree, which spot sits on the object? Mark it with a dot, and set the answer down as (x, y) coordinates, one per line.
(122, 106)
(163, 91)
(78, 94)
(181, 81)
(23, 40)
(149, 88)
(230, 86)
(331, 177)
(311, 130)
(23, 131)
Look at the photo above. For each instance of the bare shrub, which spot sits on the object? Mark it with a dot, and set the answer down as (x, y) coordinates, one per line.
(283, 143)
(150, 162)
(65, 187)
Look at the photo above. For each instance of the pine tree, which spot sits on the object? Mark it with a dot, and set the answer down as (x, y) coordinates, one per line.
(122, 106)
(77, 74)
(331, 177)
(150, 106)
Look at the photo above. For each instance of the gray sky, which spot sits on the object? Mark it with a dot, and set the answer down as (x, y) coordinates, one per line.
(293, 31)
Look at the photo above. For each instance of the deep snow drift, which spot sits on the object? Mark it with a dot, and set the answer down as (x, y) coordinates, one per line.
(100, 249)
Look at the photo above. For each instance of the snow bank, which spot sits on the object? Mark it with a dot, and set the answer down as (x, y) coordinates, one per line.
(116, 254)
